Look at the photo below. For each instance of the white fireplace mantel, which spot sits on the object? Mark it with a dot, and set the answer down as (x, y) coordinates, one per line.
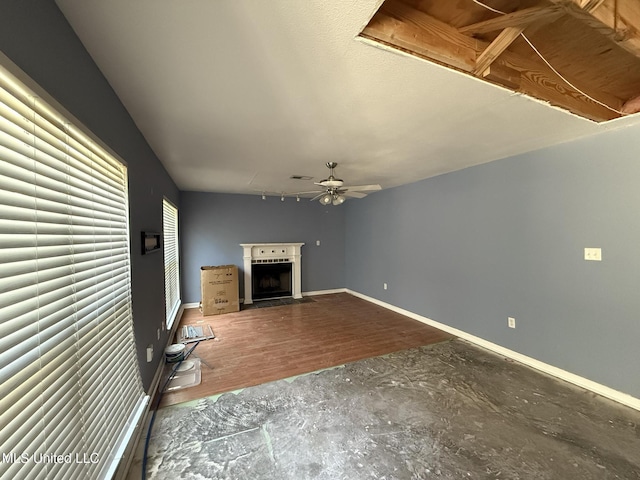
(272, 253)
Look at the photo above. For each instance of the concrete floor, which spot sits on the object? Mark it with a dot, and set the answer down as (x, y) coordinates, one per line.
(449, 410)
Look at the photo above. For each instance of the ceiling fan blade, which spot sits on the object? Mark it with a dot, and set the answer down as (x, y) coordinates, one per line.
(318, 196)
(363, 188)
(306, 193)
(354, 194)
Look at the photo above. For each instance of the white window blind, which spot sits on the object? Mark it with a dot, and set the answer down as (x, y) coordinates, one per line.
(171, 261)
(70, 387)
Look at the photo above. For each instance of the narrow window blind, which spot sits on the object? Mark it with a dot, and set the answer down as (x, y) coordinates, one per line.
(171, 261)
(70, 387)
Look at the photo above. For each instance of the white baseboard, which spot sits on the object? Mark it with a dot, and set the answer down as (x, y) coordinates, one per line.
(324, 292)
(582, 382)
(191, 305)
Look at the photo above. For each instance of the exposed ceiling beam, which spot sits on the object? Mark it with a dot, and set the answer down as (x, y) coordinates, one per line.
(409, 29)
(540, 82)
(620, 23)
(519, 18)
(404, 28)
(502, 75)
(495, 48)
(590, 5)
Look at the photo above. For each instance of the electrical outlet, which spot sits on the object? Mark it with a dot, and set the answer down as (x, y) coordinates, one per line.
(593, 254)
(511, 322)
(384, 286)
(149, 353)
(318, 243)
(158, 334)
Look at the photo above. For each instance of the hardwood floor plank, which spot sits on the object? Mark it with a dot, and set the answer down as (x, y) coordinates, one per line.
(265, 344)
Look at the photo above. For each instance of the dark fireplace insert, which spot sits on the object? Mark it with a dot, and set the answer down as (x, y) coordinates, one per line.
(271, 280)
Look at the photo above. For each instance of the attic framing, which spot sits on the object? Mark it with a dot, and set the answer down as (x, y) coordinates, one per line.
(593, 46)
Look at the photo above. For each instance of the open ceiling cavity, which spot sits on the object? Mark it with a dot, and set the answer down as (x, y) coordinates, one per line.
(579, 55)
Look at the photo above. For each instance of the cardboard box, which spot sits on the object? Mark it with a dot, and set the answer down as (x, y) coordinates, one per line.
(219, 287)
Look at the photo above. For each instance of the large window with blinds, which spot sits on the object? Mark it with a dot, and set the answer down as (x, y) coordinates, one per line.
(70, 387)
(171, 261)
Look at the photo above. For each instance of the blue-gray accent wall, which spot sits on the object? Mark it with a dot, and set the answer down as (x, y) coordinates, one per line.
(213, 225)
(37, 38)
(467, 249)
(473, 247)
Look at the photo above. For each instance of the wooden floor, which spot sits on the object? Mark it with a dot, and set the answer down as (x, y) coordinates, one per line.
(265, 344)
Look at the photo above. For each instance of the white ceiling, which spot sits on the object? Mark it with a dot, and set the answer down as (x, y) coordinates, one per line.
(238, 95)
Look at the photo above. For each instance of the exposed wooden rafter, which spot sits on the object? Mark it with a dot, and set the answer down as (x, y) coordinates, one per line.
(617, 20)
(519, 18)
(477, 50)
(590, 5)
(406, 28)
(495, 48)
(503, 75)
(512, 25)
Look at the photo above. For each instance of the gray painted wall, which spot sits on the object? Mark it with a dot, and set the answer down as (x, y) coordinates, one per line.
(213, 225)
(473, 247)
(467, 249)
(35, 35)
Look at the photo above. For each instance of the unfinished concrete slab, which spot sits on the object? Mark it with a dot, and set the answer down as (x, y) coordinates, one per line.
(448, 410)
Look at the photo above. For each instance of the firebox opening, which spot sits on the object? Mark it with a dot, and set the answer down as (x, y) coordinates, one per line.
(272, 280)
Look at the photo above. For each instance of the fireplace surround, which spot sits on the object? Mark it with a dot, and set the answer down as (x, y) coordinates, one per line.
(277, 255)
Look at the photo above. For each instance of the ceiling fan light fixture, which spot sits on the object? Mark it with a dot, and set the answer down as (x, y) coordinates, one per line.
(338, 199)
(326, 199)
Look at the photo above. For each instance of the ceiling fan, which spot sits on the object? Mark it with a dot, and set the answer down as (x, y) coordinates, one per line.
(334, 191)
